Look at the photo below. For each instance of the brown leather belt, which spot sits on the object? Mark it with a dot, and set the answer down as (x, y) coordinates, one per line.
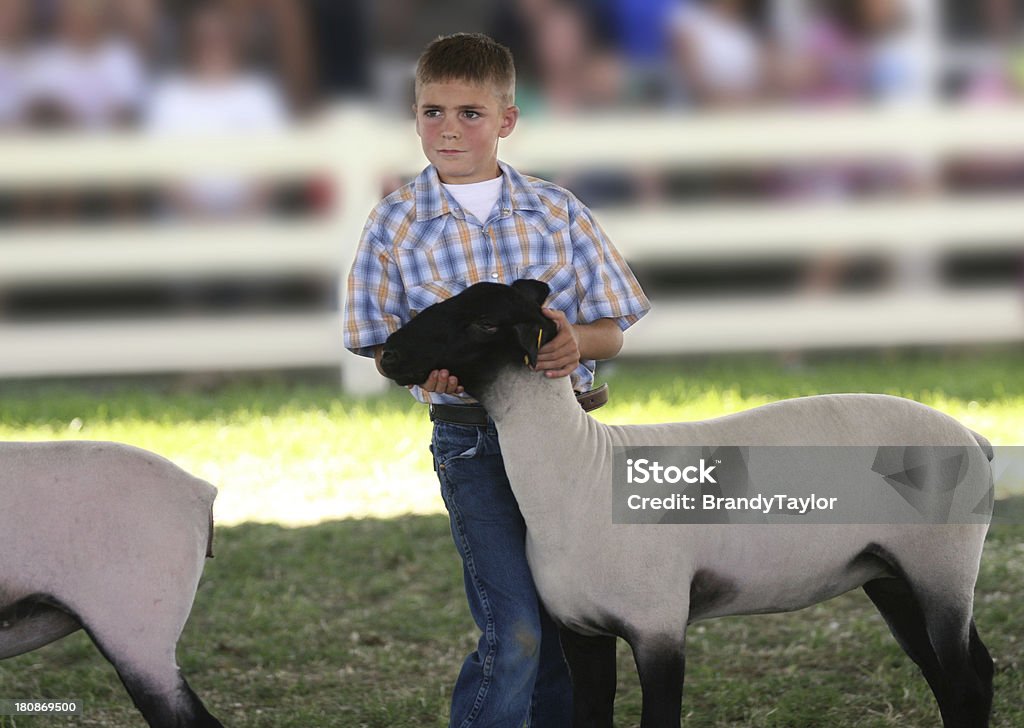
(474, 414)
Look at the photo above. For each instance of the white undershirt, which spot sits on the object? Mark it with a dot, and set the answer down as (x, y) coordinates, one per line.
(477, 198)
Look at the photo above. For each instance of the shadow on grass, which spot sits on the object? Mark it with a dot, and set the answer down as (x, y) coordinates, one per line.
(363, 622)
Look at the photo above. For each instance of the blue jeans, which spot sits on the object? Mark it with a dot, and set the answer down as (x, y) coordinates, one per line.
(517, 674)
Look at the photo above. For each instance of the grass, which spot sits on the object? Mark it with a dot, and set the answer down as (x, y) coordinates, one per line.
(336, 597)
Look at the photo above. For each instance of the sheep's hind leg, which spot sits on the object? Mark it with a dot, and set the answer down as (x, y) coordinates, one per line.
(138, 633)
(662, 666)
(158, 689)
(592, 669)
(946, 647)
(968, 668)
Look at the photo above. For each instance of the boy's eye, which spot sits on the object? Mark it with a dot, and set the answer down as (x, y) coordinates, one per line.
(472, 114)
(432, 113)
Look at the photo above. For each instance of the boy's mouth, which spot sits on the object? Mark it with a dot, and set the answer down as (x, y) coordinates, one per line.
(449, 151)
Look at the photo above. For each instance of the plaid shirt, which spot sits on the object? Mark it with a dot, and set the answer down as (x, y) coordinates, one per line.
(418, 248)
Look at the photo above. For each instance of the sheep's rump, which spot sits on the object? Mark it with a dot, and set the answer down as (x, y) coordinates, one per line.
(82, 521)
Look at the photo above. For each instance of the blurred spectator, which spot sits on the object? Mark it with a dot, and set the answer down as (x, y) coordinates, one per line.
(84, 77)
(13, 28)
(572, 69)
(850, 51)
(576, 70)
(341, 47)
(274, 35)
(216, 94)
(998, 78)
(564, 60)
(640, 29)
(147, 27)
(513, 25)
(719, 53)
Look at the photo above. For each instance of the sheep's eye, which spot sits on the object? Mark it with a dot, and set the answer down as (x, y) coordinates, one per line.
(482, 329)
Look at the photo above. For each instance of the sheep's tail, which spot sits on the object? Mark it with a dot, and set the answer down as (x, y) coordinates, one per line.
(209, 495)
(984, 444)
(209, 535)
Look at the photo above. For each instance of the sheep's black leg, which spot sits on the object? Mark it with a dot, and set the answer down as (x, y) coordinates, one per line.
(156, 686)
(903, 614)
(946, 647)
(182, 709)
(967, 665)
(661, 664)
(592, 669)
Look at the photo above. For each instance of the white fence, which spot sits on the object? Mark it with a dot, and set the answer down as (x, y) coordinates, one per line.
(355, 149)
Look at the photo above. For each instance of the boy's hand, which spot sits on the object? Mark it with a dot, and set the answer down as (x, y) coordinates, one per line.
(560, 356)
(442, 382)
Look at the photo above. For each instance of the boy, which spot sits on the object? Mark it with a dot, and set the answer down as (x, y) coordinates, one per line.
(469, 218)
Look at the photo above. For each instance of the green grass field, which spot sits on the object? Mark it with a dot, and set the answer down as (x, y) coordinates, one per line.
(336, 596)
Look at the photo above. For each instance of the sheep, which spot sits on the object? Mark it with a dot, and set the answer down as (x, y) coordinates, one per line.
(112, 539)
(602, 580)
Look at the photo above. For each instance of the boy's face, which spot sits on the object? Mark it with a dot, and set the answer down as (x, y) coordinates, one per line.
(459, 124)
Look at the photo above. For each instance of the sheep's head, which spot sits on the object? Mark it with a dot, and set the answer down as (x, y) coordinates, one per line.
(472, 335)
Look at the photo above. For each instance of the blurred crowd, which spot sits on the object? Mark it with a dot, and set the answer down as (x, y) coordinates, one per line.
(99, 64)
(177, 67)
(734, 53)
(231, 66)
(173, 66)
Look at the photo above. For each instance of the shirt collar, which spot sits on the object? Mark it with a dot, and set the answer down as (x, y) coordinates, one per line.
(432, 198)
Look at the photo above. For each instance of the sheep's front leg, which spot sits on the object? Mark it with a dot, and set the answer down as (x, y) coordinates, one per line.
(592, 669)
(661, 662)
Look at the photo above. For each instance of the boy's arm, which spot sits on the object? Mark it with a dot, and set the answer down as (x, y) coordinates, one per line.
(375, 304)
(611, 302)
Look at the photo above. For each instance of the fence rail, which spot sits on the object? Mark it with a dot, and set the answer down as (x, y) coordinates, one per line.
(354, 151)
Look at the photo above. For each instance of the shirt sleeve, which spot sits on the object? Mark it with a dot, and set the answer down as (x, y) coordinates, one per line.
(374, 296)
(605, 286)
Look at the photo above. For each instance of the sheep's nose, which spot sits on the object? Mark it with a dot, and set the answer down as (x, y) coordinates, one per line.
(388, 357)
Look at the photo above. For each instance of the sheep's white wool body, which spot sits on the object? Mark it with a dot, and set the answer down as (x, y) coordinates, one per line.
(109, 537)
(592, 573)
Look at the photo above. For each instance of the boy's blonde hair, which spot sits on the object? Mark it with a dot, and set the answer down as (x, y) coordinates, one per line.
(472, 57)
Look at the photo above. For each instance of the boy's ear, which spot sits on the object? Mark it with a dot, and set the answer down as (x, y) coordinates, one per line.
(535, 291)
(508, 121)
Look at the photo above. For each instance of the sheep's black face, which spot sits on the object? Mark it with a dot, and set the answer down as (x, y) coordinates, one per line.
(472, 335)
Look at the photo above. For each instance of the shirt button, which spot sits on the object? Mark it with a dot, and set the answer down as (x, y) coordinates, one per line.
(494, 275)
(505, 210)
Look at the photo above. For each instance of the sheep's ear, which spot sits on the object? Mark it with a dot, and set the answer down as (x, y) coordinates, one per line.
(528, 336)
(536, 291)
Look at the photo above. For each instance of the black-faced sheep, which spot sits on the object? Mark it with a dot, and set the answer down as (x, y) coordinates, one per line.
(601, 580)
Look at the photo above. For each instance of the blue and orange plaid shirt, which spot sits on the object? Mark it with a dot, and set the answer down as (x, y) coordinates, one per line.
(419, 248)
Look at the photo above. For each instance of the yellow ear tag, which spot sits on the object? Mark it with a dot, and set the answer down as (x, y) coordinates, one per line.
(525, 357)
